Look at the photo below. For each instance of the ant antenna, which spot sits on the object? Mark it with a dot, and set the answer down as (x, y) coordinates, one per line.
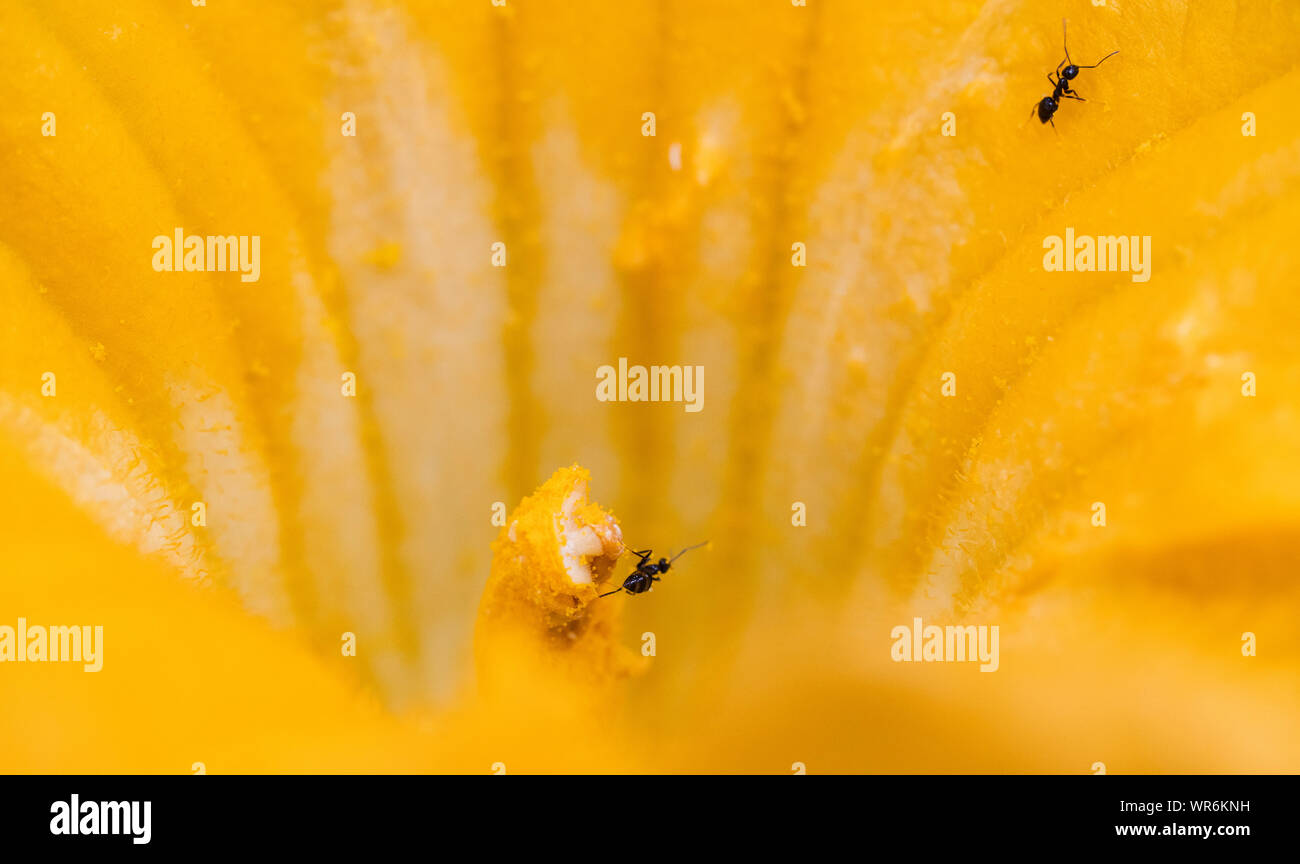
(1066, 42)
(1101, 61)
(687, 549)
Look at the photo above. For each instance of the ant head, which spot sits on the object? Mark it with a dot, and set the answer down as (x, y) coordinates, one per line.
(663, 565)
(1069, 73)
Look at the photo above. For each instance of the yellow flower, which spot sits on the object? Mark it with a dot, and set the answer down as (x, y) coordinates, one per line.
(842, 215)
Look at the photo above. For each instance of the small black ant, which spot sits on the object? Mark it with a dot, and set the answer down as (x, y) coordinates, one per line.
(642, 579)
(1066, 72)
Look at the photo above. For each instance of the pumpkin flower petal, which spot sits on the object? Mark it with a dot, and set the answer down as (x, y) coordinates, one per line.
(278, 497)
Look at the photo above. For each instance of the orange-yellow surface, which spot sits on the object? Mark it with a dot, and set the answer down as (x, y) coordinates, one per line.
(372, 514)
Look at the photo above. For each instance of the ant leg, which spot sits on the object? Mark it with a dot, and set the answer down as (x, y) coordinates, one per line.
(607, 593)
(1073, 95)
(643, 554)
(1050, 81)
(1053, 122)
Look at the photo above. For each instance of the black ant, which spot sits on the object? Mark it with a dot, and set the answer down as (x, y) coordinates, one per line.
(1066, 72)
(642, 579)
